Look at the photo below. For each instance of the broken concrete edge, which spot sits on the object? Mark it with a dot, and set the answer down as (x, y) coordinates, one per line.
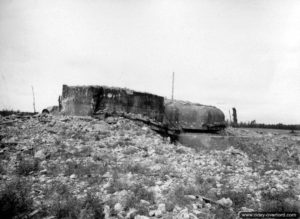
(103, 101)
(87, 100)
(192, 116)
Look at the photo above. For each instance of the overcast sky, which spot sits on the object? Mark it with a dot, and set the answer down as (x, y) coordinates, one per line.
(226, 53)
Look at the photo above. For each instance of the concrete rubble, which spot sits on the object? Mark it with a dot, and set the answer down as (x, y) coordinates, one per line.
(136, 173)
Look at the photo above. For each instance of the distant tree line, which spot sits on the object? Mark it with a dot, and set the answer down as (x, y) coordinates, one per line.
(8, 112)
(253, 124)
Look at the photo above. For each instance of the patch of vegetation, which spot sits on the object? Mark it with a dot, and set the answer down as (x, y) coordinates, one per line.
(85, 151)
(130, 150)
(253, 124)
(205, 184)
(15, 201)
(122, 142)
(239, 198)
(159, 151)
(58, 141)
(2, 169)
(271, 166)
(180, 151)
(166, 171)
(27, 166)
(160, 160)
(85, 169)
(136, 168)
(284, 201)
(8, 112)
(177, 196)
(116, 184)
(133, 200)
(92, 207)
(223, 213)
(63, 204)
(148, 181)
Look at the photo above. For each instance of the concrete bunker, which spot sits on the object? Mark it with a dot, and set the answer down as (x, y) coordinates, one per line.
(91, 100)
(169, 117)
(192, 117)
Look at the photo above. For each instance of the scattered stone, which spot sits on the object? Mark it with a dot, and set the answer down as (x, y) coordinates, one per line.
(43, 171)
(73, 176)
(144, 202)
(245, 209)
(110, 120)
(141, 217)
(40, 155)
(225, 202)
(192, 197)
(118, 207)
(184, 214)
(162, 207)
(131, 213)
(125, 147)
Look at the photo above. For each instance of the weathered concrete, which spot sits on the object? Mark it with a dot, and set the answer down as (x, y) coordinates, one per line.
(77, 100)
(87, 100)
(193, 117)
(168, 116)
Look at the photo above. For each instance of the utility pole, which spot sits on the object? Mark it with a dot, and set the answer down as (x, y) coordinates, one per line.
(33, 99)
(173, 86)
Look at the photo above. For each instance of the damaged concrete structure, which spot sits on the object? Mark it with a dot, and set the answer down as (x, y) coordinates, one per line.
(192, 117)
(89, 100)
(177, 116)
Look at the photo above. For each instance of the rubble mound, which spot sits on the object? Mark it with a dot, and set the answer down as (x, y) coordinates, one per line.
(83, 167)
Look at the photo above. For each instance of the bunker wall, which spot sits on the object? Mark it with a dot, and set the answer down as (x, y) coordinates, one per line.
(87, 100)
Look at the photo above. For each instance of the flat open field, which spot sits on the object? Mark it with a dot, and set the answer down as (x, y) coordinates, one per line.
(275, 131)
(82, 167)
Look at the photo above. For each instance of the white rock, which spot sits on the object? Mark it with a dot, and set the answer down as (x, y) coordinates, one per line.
(191, 197)
(208, 205)
(73, 176)
(42, 179)
(145, 128)
(279, 186)
(158, 213)
(131, 213)
(184, 214)
(118, 207)
(225, 201)
(141, 217)
(101, 127)
(158, 183)
(43, 164)
(144, 202)
(106, 185)
(43, 171)
(152, 213)
(246, 209)
(40, 155)
(107, 175)
(106, 211)
(162, 207)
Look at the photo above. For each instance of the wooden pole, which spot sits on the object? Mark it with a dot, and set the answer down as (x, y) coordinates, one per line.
(33, 99)
(173, 86)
